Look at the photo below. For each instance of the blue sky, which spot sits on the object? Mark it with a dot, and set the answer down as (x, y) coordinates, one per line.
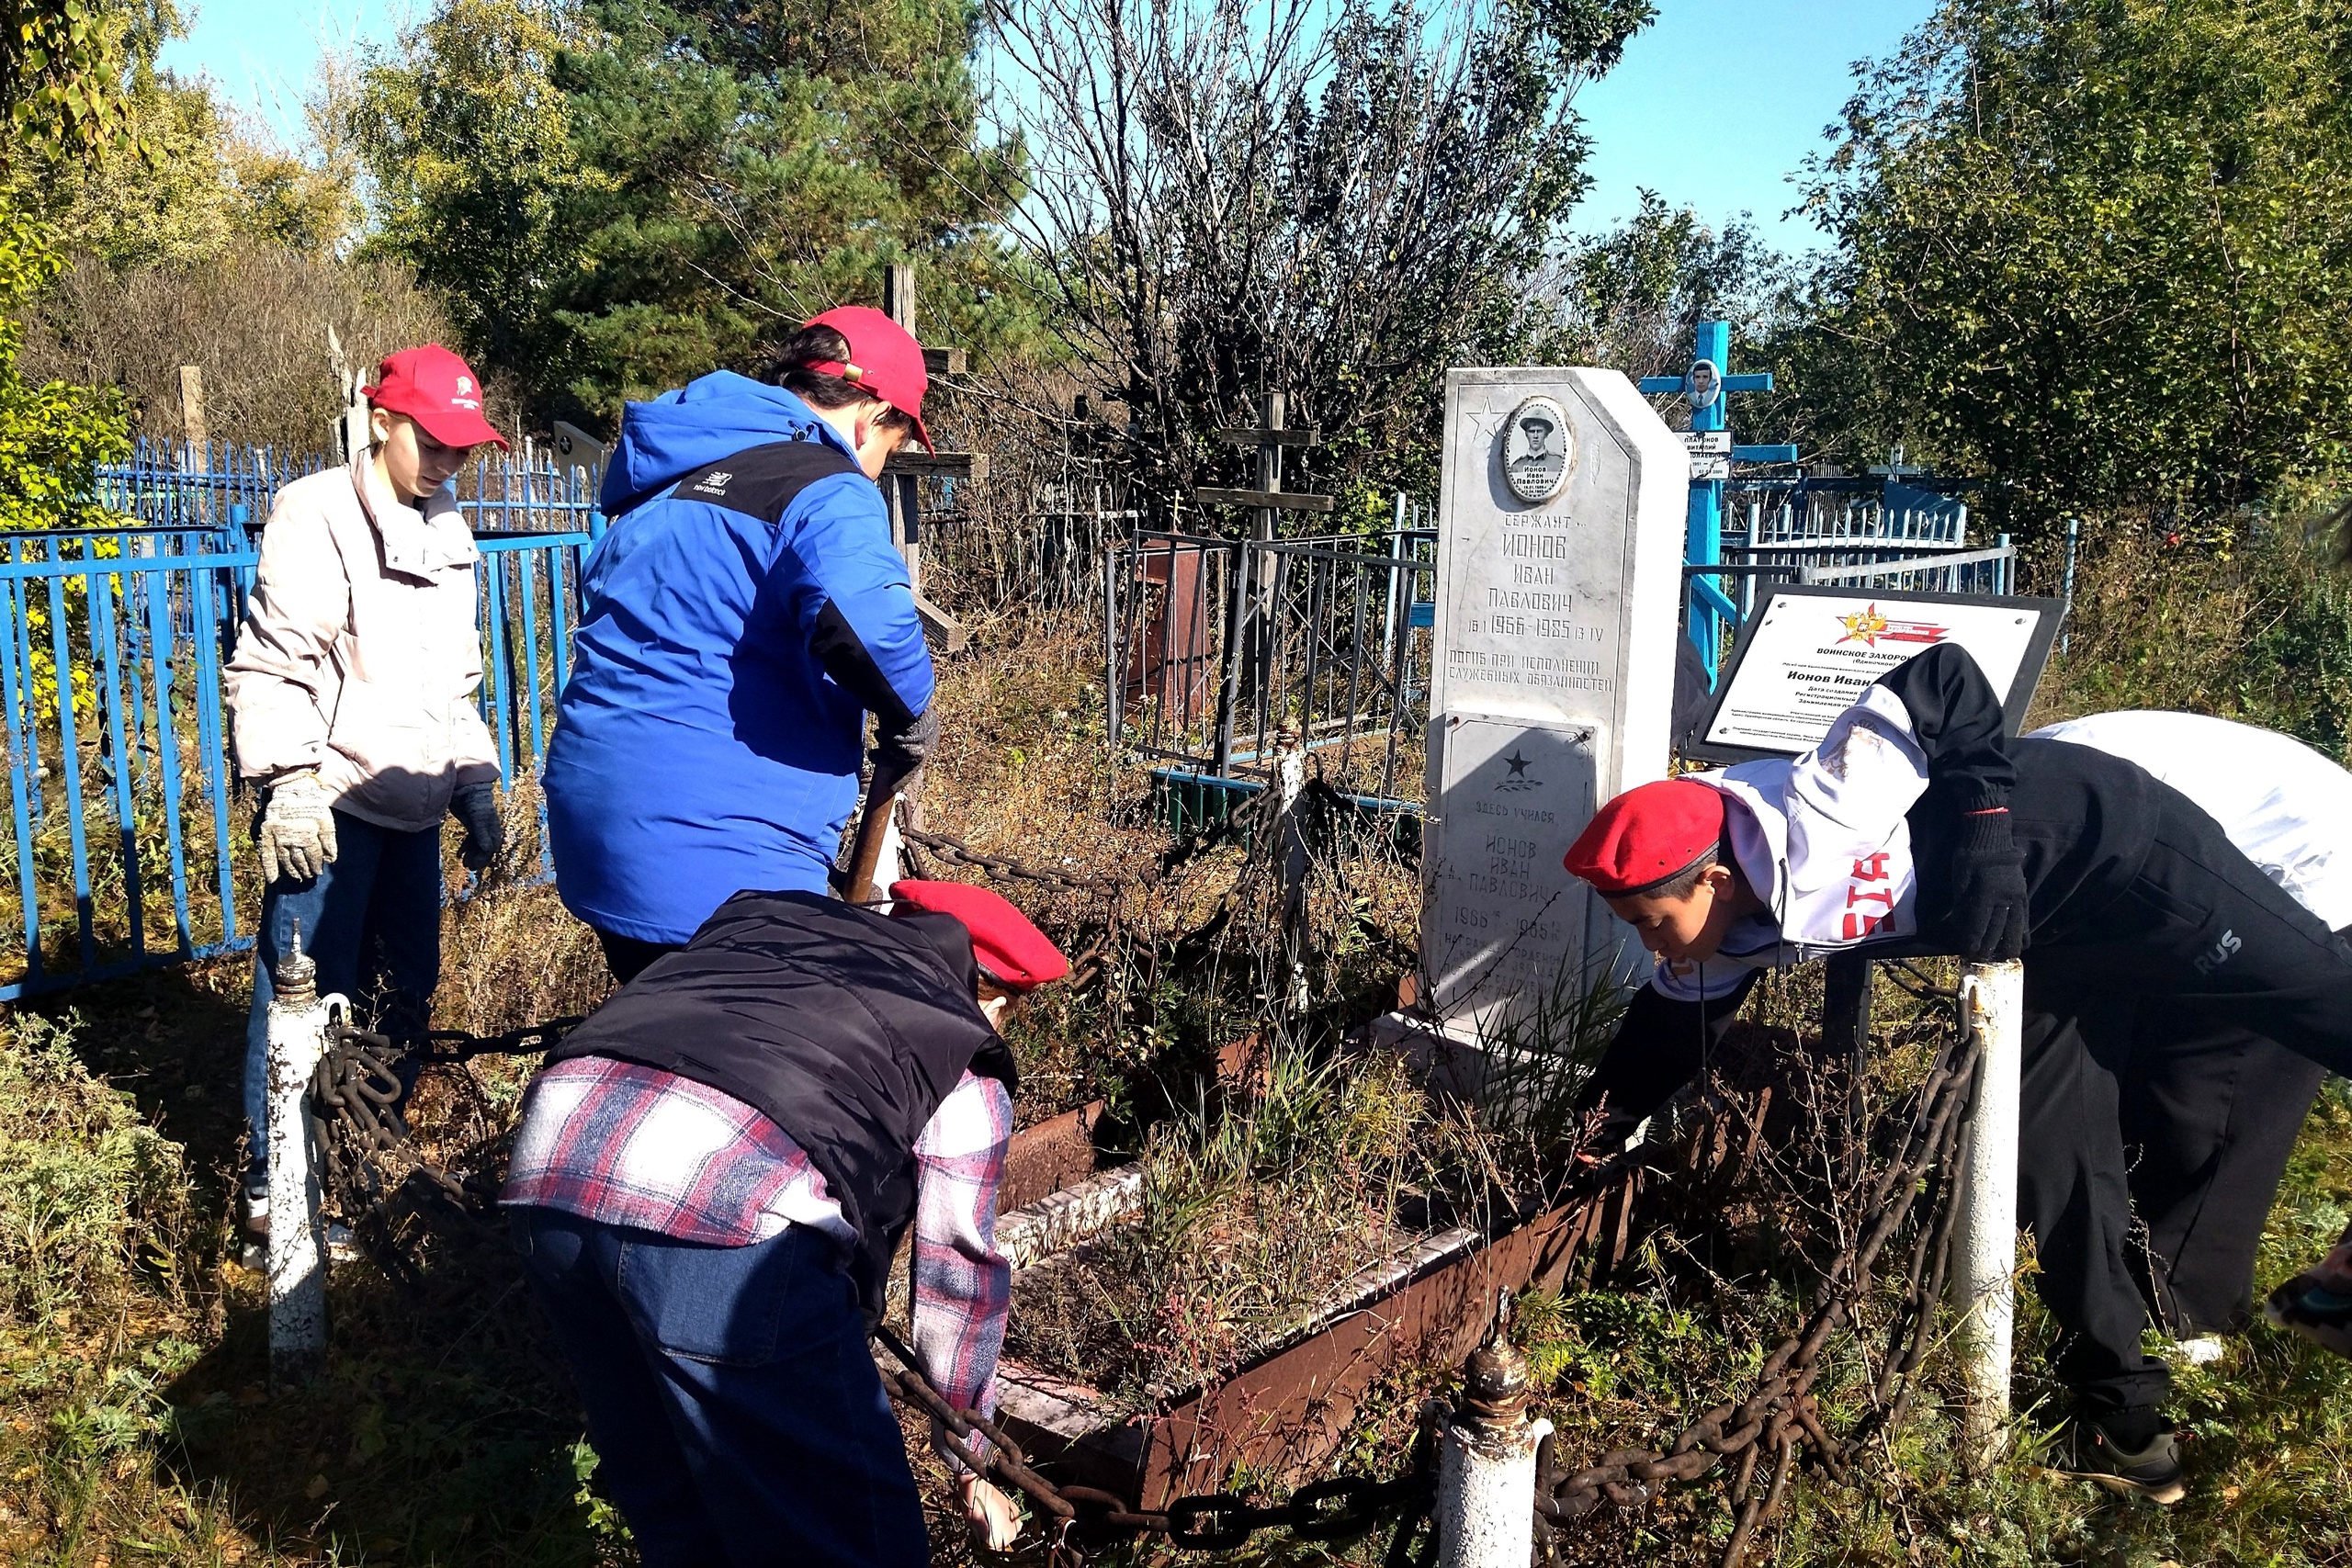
(266, 51)
(1719, 101)
(1716, 104)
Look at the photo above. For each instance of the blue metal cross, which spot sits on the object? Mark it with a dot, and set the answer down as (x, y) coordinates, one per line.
(1709, 390)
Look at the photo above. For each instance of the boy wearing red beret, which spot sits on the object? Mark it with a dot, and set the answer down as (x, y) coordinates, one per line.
(2159, 955)
(712, 1176)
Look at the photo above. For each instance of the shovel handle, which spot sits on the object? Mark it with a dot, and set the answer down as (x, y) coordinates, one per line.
(865, 849)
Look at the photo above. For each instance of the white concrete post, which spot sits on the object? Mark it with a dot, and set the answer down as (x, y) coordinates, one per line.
(297, 1296)
(1485, 1465)
(1984, 1246)
(1290, 783)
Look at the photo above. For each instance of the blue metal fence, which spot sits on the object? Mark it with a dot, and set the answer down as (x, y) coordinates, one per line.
(126, 820)
(210, 485)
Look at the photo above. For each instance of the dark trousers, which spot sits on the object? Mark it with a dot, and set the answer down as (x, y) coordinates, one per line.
(735, 1410)
(628, 956)
(371, 921)
(2165, 1021)
(2211, 1116)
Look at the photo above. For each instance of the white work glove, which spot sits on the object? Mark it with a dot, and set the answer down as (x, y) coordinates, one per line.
(988, 1513)
(296, 835)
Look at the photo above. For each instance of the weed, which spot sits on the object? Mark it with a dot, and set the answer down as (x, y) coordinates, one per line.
(1250, 1219)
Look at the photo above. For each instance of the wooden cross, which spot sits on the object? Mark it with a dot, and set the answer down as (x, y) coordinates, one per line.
(901, 474)
(1270, 436)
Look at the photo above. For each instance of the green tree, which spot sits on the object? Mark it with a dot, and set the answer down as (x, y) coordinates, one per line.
(60, 80)
(2100, 251)
(617, 194)
(1632, 298)
(60, 74)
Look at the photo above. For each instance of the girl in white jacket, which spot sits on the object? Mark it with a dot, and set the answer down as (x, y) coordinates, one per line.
(352, 698)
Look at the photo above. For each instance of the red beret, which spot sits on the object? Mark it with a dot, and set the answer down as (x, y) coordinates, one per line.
(1648, 835)
(1013, 953)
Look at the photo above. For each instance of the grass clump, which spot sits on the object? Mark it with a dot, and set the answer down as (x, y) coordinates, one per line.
(1248, 1220)
(90, 1194)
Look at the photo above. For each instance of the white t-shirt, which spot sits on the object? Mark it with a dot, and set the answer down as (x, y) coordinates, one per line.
(2286, 807)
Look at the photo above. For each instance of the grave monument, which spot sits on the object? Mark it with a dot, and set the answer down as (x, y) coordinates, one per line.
(1560, 582)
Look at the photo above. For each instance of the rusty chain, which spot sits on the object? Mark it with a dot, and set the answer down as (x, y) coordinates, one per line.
(1779, 1420)
(353, 1105)
(955, 851)
(1220, 1521)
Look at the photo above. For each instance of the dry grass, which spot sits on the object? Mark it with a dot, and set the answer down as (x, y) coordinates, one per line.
(2258, 629)
(1251, 1214)
(255, 321)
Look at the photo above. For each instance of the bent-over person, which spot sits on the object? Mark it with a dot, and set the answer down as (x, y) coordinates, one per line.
(712, 1177)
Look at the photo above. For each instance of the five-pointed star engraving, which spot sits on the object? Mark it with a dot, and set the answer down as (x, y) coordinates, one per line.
(1484, 414)
(1517, 763)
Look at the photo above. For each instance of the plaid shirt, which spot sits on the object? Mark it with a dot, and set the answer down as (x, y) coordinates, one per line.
(624, 1145)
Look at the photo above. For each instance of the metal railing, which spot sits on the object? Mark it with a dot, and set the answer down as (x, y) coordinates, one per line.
(126, 813)
(212, 485)
(1859, 532)
(1214, 649)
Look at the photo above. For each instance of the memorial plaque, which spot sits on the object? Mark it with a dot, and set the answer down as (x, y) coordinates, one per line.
(1503, 922)
(1808, 653)
(1556, 625)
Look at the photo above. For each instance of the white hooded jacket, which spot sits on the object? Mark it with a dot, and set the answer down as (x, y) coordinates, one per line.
(360, 656)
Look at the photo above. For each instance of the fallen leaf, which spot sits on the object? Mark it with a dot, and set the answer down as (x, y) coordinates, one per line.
(316, 1489)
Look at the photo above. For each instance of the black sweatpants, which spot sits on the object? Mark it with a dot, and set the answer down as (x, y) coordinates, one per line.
(2159, 1000)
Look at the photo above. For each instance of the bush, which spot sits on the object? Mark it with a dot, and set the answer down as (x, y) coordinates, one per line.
(254, 319)
(2258, 628)
(89, 1193)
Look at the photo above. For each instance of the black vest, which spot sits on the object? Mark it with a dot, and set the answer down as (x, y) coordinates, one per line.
(844, 1027)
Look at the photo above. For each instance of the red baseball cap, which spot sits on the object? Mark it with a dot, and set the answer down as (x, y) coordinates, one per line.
(884, 358)
(438, 389)
(1647, 837)
(1014, 953)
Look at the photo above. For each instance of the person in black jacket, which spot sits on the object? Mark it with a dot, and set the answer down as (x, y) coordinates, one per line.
(1917, 828)
(711, 1178)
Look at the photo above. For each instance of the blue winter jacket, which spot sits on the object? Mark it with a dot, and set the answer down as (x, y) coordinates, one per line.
(742, 614)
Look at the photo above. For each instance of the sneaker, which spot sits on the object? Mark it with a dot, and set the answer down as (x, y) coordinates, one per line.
(2318, 1314)
(253, 1229)
(2086, 1454)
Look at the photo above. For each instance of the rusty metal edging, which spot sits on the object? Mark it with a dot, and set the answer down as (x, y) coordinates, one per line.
(1292, 1411)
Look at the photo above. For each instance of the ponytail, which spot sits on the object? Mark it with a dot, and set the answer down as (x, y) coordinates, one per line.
(794, 364)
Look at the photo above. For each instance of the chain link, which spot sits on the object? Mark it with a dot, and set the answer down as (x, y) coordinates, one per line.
(955, 851)
(1778, 1419)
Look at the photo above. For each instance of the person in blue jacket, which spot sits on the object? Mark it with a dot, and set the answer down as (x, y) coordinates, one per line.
(742, 615)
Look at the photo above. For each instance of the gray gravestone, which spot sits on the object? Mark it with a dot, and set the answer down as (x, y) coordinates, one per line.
(1560, 539)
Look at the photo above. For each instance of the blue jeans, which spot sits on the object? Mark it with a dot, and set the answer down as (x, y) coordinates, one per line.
(371, 921)
(732, 1402)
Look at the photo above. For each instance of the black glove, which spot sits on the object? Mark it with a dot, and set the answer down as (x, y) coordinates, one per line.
(1987, 915)
(475, 805)
(899, 750)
